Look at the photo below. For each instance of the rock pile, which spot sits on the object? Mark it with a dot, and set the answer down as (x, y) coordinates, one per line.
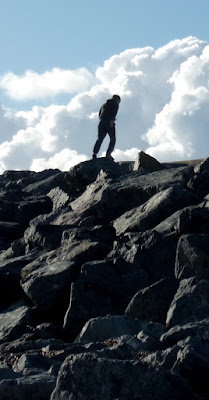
(104, 282)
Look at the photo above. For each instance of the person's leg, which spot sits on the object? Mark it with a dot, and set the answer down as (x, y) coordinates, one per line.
(112, 141)
(101, 135)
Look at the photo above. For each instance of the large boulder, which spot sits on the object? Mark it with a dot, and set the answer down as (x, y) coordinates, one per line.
(145, 161)
(90, 376)
(104, 287)
(154, 252)
(156, 209)
(193, 364)
(10, 275)
(13, 321)
(108, 327)
(108, 199)
(49, 287)
(178, 333)
(192, 256)
(152, 303)
(190, 303)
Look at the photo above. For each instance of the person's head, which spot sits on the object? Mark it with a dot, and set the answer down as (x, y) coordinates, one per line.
(116, 98)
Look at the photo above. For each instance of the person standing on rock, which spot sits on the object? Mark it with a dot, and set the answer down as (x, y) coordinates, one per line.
(107, 115)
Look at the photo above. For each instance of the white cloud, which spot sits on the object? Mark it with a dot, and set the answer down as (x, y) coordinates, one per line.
(32, 85)
(164, 110)
(63, 160)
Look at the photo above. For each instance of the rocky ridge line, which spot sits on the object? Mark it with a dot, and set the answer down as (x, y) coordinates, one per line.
(104, 277)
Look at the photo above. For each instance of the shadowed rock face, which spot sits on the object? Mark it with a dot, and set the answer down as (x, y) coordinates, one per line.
(104, 282)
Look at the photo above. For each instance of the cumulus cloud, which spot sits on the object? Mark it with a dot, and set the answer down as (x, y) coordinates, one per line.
(65, 159)
(32, 85)
(164, 109)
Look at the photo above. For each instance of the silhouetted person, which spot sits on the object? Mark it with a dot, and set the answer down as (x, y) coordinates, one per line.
(107, 114)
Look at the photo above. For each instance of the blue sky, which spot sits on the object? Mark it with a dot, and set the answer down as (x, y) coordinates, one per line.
(42, 34)
(60, 60)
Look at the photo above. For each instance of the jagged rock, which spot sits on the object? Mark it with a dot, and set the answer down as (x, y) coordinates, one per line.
(152, 303)
(10, 274)
(49, 287)
(88, 376)
(180, 332)
(104, 287)
(154, 252)
(192, 257)
(30, 387)
(42, 185)
(10, 231)
(97, 233)
(140, 336)
(202, 166)
(16, 249)
(193, 220)
(155, 210)
(108, 200)
(103, 328)
(190, 303)
(94, 246)
(126, 166)
(32, 207)
(163, 358)
(46, 237)
(31, 364)
(193, 364)
(145, 161)
(86, 172)
(199, 183)
(57, 220)
(25, 209)
(59, 198)
(13, 321)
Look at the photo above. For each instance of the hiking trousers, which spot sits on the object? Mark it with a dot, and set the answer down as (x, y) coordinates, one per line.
(103, 130)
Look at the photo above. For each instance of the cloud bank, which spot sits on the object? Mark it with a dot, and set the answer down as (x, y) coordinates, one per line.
(164, 109)
(32, 85)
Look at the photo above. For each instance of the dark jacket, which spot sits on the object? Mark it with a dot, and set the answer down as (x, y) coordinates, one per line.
(108, 111)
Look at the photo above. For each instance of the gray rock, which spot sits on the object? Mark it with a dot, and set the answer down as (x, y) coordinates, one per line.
(30, 208)
(28, 387)
(88, 377)
(31, 364)
(154, 252)
(145, 161)
(49, 287)
(70, 217)
(13, 321)
(86, 172)
(42, 185)
(10, 274)
(152, 303)
(103, 328)
(108, 200)
(193, 365)
(202, 166)
(199, 182)
(192, 257)
(190, 303)
(163, 358)
(104, 287)
(193, 220)
(59, 198)
(156, 209)
(46, 237)
(181, 332)
(11, 231)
